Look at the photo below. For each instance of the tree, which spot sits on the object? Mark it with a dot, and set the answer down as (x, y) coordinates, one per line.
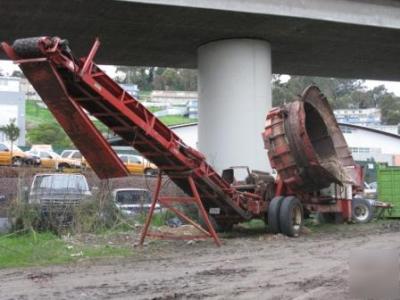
(49, 133)
(390, 109)
(12, 133)
(142, 76)
(149, 78)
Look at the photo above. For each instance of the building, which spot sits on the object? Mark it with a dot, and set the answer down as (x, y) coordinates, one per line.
(10, 84)
(173, 97)
(368, 143)
(365, 143)
(12, 106)
(364, 117)
(132, 89)
(27, 89)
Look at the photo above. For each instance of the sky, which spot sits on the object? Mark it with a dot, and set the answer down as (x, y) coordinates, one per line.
(392, 86)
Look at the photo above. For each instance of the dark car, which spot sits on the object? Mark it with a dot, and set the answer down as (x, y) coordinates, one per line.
(133, 201)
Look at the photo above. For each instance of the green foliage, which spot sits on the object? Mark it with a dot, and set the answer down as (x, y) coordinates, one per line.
(390, 109)
(11, 131)
(341, 94)
(149, 78)
(176, 120)
(49, 133)
(39, 249)
(36, 115)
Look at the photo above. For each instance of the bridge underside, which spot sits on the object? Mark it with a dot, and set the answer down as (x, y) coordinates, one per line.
(135, 33)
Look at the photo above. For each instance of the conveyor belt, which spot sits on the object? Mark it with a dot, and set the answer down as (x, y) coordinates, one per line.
(70, 87)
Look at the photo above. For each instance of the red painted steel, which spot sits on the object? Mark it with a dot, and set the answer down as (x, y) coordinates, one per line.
(70, 87)
(169, 203)
(305, 144)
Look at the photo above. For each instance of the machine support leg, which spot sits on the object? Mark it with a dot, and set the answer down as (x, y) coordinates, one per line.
(153, 205)
(203, 212)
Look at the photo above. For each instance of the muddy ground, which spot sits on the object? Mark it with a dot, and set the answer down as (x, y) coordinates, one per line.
(250, 265)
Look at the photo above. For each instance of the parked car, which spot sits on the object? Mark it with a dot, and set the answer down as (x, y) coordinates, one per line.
(132, 201)
(41, 147)
(58, 191)
(17, 157)
(52, 160)
(74, 155)
(138, 165)
(191, 109)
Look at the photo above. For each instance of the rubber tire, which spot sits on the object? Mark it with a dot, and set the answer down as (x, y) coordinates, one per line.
(17, 162)
(330, 218)
(62, 167)
(274, 214)
(367, 204)
(286, 215)
(150, 172)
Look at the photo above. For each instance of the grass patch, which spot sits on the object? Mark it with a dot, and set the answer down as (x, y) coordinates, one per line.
(253, 224)
(176, 120)
(41, 249)
(36, 115)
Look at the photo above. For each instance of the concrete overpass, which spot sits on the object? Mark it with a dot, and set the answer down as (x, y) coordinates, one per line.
(235, 44)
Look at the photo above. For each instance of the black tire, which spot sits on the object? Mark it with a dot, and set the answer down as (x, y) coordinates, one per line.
(61, 167)
(329, 218)
(273, 214)
(291, 216)
(362, 211)
(150, 172)
(17, 162)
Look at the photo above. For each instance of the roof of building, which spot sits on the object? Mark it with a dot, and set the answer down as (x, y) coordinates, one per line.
(370, 129)
(117, 140)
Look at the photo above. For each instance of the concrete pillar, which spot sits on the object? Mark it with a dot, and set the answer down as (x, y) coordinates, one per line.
(234, 96)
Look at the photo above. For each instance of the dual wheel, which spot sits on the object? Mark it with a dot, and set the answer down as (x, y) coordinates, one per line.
(285, 215)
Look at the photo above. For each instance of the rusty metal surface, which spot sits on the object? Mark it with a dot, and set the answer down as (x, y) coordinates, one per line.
(305, 144)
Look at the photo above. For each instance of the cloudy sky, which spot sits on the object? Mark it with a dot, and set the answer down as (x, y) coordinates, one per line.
(392, 86)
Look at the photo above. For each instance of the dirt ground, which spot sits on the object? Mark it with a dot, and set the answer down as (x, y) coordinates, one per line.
(250, 265)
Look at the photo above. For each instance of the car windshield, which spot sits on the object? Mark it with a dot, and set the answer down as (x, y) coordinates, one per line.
(56, 184)
(65, 153)
(54, 155)
(133, 197)
(15, 147)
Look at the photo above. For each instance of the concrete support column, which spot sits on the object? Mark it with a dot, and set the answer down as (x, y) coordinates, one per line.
(234, 96)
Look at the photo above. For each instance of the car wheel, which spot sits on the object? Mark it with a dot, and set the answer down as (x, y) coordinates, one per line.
(362, 211)
(291, 216)
(273, 214)
(17, 162)
(150, 172)
(62, 167)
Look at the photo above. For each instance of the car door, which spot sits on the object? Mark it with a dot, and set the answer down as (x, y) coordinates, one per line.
(124, 159)
(47, 160)
(5, 155)
(135, 165)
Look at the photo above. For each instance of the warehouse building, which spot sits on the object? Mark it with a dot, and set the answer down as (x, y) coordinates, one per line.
(12, 106)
